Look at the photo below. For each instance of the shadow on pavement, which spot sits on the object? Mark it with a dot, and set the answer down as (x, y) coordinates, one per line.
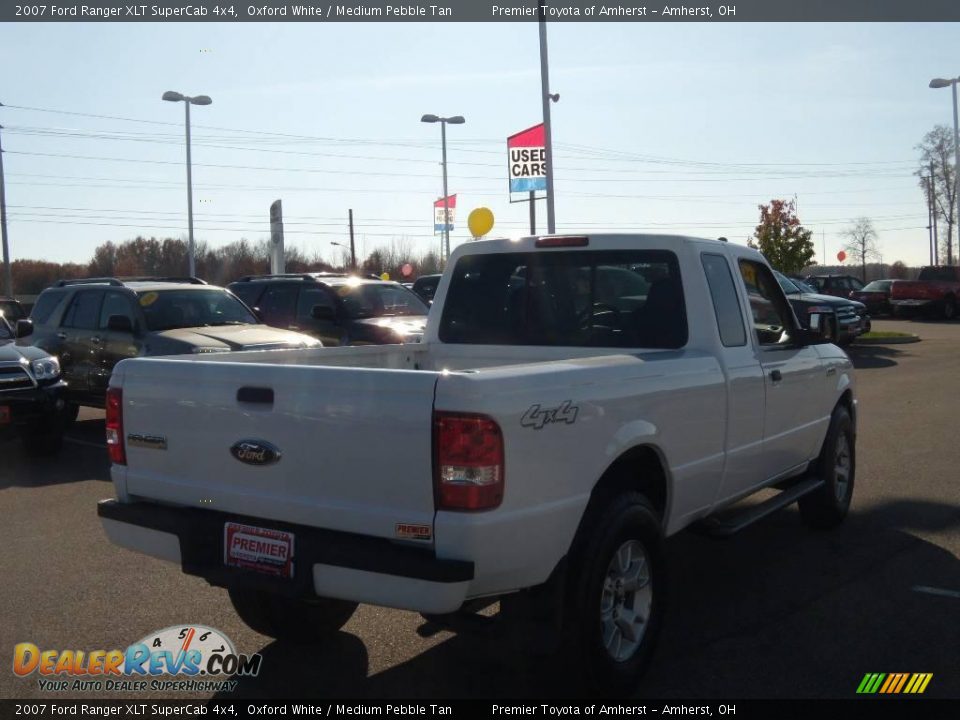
(776, 611)
(74, 462)
(868, 357)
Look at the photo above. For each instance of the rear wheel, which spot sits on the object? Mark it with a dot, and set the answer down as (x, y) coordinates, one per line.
(949, 308)
(828, 506)
(303, 621)
(615, 593)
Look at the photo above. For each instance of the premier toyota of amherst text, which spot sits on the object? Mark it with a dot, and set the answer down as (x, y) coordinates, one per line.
(574, 401)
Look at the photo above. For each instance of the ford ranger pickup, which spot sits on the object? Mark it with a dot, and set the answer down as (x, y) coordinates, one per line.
(575, 401)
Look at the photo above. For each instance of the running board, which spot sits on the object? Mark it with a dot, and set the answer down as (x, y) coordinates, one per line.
(728, 522)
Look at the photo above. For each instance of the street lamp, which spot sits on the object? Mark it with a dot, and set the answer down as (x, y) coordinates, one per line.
(936, 84)
(353, 256)
(455, 120)
(172, 96)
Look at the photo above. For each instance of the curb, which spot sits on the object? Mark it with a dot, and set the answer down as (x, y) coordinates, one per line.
(888, 341)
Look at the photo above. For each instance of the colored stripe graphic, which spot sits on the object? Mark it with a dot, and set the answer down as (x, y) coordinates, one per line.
(894, 683)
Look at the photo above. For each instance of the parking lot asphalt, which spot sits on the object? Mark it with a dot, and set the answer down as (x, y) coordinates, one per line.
(776, 611)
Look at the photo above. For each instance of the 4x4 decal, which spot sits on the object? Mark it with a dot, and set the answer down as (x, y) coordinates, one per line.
(536, 417)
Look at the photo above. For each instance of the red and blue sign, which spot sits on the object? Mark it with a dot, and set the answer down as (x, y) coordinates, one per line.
(527, 160)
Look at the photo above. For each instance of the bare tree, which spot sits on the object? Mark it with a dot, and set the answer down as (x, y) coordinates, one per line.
(862, 242)
(936, 149)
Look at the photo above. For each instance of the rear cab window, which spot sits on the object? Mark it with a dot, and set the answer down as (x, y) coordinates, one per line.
(603, 298)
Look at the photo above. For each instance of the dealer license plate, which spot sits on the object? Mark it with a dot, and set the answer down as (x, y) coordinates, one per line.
(260, 549)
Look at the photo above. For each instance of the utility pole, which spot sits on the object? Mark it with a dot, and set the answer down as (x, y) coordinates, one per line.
(547, 132)
(933, 209)
(928, 186)
(7, 275)
(353, 252)
(533, 213)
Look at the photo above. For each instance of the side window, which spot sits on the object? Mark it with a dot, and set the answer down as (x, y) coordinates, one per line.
(855, 284)
(46, 304)
(84, 310)
(771, 314)
(248, 292)
(115, 303)
(725, 302)
(278, 304)
(311, 296)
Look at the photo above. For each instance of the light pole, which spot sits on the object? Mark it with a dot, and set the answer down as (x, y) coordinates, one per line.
(455, 120)
(172, 96)
(937, 83)
(353, 256)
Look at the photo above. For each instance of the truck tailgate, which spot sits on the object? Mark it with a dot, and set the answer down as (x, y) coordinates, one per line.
(354, 444)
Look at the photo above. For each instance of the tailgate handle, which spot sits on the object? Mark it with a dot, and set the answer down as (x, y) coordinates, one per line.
(255, 395)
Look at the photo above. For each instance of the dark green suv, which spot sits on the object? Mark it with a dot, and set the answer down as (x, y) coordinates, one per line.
(93, 324)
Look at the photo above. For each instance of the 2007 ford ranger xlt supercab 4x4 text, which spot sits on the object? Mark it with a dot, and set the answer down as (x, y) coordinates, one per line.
(575, 400)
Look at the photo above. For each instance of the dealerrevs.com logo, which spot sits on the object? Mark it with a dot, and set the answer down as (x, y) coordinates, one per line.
(177, 658)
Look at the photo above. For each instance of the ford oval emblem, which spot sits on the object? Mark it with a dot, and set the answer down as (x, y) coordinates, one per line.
(255, 452)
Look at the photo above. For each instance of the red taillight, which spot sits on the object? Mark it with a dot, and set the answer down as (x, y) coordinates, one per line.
(115, 446)
(468, 468)
(563, 241)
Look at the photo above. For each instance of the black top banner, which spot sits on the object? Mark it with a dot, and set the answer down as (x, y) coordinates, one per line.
(485, 11)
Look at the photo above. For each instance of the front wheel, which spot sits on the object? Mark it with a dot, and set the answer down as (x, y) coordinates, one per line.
(615, 594)
(303, 621)
(837, 465)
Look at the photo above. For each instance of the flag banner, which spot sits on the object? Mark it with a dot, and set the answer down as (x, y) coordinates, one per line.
(438, 224)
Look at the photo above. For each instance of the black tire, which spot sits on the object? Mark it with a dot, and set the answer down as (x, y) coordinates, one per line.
(827, 507)
(628, 520)
(70, 413)
(949, 308)
(300, 621)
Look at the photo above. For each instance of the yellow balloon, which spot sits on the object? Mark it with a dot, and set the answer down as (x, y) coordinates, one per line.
(480, 221)
(385, 276)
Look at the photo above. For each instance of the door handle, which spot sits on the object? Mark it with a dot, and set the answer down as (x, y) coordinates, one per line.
(776, 376)
(61, 336)
(96, 340)
(831, 371)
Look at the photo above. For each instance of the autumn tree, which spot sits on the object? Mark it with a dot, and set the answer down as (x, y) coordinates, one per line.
(937, 153)
(781, 238)
(899, 271)
(861, 242)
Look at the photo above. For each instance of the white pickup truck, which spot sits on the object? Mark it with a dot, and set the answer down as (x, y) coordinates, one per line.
(575, 400)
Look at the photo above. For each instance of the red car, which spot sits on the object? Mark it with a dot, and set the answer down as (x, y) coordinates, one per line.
(876, 296)
(935, 290)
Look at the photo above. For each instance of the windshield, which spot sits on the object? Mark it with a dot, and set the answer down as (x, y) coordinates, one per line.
(5, 333)
(788, 285)
(878, 286)
(379, 300)
(804, 287)
(11, 311)
(169, 309)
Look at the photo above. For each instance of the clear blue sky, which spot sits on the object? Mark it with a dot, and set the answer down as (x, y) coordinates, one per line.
(663, 127)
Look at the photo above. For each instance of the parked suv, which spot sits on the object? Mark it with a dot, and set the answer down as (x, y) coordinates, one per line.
(836, 285)
(426, 286)
(93, 324)
(846, 319)
(338, 309)
(31, 392)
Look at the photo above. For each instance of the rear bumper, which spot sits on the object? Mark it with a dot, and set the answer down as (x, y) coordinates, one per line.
(327, 563)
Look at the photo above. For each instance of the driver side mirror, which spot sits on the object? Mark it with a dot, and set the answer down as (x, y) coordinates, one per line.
(323, 312)
(817, 332)
(120, 323)
(23, 328)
